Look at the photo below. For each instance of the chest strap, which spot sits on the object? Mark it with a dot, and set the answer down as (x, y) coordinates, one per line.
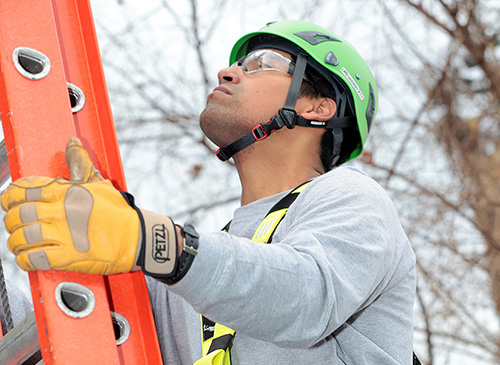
(217, 338)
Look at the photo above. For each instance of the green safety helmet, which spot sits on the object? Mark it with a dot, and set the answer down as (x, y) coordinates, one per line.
(337, 62)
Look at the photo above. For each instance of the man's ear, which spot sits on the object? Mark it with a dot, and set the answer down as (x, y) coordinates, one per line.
(319, 109)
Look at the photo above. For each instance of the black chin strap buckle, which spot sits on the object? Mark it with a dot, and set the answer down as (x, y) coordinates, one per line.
(288, 116)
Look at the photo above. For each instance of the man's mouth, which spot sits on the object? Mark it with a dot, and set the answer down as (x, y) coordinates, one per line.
(222, 89)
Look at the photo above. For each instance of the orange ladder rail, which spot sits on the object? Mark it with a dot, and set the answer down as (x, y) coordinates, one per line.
(77, 315)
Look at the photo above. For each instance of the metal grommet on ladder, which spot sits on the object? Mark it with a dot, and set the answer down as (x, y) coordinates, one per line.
(31, 63)
(76, 97)
(121, 327)
(75, 300)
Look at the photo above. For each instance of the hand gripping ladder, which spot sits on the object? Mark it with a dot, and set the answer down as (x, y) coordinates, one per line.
(52, 87)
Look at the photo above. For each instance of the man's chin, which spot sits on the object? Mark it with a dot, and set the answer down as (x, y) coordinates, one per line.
(207, 124)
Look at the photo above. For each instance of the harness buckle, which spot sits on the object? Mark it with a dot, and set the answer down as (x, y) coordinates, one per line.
(259, 132)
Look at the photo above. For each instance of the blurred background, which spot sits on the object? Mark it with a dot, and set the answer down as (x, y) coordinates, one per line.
(435, 144)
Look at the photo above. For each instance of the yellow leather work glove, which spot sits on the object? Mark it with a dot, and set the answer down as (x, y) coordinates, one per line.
(85, 224)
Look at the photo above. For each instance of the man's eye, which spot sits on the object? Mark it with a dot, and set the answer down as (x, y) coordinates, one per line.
(264, 65)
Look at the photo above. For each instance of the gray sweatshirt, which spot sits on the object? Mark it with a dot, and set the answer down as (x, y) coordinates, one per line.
(336, 286)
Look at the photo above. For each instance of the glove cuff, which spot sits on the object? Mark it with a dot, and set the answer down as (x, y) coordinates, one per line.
(157, 249)
(158, 254)
(157, 243)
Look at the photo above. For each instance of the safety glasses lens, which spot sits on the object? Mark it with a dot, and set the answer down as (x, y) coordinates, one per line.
(264, 60)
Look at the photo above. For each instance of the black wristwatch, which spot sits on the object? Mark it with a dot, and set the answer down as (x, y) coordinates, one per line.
(191, 241)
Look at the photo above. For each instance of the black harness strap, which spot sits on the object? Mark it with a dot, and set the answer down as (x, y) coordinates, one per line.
(221, 343)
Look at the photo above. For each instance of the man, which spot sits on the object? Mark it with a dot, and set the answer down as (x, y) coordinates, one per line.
(335, 286)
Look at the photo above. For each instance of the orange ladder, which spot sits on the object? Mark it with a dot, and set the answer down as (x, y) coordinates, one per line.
(52, 87)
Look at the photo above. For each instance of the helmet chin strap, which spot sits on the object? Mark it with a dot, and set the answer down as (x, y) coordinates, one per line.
(287, 116)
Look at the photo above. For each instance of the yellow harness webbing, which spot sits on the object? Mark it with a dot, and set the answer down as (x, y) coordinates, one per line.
(217, 338)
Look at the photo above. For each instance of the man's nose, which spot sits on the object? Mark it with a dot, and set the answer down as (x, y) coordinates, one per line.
(229, 75)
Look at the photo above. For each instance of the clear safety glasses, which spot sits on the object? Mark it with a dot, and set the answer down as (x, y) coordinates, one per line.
(265, 60)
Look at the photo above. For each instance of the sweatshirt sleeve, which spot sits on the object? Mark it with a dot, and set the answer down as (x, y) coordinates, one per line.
(334, 253)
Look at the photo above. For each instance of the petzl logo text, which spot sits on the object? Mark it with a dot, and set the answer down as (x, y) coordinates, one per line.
(160, 243)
